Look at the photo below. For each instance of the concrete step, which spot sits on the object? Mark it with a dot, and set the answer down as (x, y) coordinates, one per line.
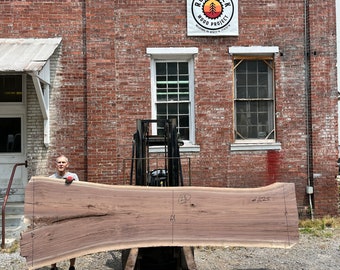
(12, 221)
(14, 208)
(17, 195)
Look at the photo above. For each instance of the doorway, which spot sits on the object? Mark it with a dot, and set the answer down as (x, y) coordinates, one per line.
(12, 134)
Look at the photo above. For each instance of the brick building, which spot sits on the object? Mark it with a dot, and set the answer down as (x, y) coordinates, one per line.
(255, 105)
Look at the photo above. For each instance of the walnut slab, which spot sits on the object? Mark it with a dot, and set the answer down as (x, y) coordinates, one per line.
(68, 221)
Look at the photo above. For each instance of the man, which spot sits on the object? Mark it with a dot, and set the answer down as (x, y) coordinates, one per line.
(62, 172)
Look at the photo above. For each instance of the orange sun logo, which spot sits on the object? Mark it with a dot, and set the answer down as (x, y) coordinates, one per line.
(212, 9)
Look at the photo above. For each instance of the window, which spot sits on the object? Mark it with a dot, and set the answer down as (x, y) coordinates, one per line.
(12, 111)
(10, 88)
(172, 89)
(173, 95)
(254, 99)
(10, 135)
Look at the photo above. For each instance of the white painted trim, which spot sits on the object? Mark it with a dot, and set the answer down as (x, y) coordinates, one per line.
(255, 147)
(256, 50)
(172, 50)
(43, 97)
(171, 54)
(186, 148)
(40, 95)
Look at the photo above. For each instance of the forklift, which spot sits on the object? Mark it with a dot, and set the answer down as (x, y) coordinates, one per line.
(171, 174)
(158, 171)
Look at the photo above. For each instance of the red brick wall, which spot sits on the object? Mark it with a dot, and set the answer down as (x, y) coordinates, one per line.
(103, 85)
(48, 19)
(324, 104)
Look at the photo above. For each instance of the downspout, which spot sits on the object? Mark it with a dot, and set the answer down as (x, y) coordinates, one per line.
(309, 141)
(84, 22)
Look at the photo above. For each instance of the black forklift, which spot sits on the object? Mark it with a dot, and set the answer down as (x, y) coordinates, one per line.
(167, 137)
(163, 170)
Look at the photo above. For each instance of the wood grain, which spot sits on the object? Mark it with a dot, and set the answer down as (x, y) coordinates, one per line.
(68, 221)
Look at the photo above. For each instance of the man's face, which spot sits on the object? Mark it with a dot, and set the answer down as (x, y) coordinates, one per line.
(62, 165)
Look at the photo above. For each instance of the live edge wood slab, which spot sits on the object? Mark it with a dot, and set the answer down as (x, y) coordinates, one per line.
(67, 221)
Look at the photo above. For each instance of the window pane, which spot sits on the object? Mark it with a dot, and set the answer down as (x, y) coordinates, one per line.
(241, 92)
(10, 135)
(183, 121)
(252, 79)
(184, 79)
(251, 65)
(252, 134)
(173, 97)
(263, 106)
(263, 92)
(184, 96)
(241, 107)
(161, 94)
(262, 66)
(241, 132)
(241, 67)
(161, 80)
(173, 86)
(263, 79)
(172, 109)
(252, 92)
(172, 68)
(183, 68)
(253, 106)
(263, 119)
(241, 79)
(184, 91)
(254, 117)
(183, 108)
(161, 108)
(184, 133)
(161, 85)
(160, 68)
(241, 117)
(10, 88)
(172, 79)
(161, 123)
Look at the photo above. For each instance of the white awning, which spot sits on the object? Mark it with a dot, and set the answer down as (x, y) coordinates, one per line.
(26, 54)
(31, 55)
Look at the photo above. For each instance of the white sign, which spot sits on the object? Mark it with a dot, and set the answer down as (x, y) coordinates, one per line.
(212, 17)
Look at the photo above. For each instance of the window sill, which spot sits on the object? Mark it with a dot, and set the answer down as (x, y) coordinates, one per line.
(186, 148)
(238, 146)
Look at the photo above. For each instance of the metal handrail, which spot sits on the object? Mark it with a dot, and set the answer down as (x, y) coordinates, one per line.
(5, 201)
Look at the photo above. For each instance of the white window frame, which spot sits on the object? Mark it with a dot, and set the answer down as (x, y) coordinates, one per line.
(255, 144)
(176, 54)
(16, 110)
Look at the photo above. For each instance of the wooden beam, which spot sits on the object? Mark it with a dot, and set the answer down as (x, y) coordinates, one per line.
(189, 258)
(131, 259)
(68, 221)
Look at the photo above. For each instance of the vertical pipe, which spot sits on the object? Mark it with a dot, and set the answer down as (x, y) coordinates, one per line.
(84, 22)
(309, 119)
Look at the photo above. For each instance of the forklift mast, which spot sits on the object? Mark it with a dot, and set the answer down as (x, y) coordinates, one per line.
(156, 258)
(143, 139)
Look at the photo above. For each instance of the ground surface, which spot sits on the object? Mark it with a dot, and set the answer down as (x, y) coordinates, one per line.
(311, 253)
